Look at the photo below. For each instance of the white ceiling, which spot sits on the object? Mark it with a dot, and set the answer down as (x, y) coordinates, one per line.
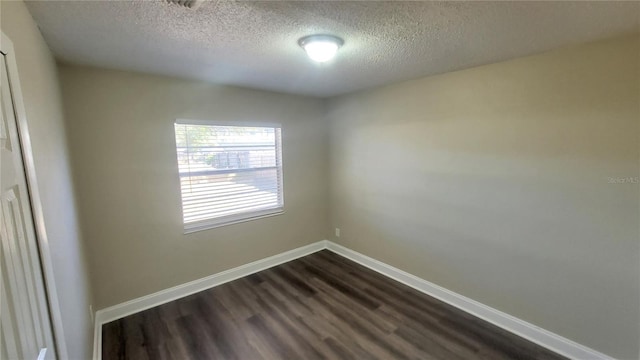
(254, 44)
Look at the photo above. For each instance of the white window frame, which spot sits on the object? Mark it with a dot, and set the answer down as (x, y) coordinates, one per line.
(244, 216)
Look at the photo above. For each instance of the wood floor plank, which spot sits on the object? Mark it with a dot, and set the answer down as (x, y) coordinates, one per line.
(321, 306)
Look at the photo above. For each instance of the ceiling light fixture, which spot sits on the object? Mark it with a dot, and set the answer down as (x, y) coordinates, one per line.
(321, 48)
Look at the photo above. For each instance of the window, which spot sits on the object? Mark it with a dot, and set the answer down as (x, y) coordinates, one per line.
(228, 173)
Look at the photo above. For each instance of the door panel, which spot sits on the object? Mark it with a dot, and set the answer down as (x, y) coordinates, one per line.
(7, 327)
(25, 326)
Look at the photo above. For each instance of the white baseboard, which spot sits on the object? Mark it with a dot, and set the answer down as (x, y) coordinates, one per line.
(161, 297)
(512, 324)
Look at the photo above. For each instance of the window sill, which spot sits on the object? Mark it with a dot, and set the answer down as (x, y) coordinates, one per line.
(215, 223)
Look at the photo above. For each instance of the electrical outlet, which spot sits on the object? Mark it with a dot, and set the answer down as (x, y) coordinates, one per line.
(337, 232)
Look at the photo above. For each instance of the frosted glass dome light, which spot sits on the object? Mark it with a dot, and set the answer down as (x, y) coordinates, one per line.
(321, 48)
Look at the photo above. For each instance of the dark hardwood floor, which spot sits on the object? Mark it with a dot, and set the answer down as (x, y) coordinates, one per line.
(321, 306)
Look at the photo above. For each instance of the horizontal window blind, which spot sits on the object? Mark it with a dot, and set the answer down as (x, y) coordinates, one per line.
(228, 173)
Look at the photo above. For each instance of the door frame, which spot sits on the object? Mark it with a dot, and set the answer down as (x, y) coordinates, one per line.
(53, 305)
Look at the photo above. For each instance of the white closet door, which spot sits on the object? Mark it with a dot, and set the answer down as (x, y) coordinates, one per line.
(25, 328)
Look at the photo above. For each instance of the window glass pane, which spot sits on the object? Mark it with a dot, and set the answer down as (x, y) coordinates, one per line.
(226, 171)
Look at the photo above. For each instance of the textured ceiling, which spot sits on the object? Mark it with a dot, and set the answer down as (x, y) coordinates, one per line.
(254, 44)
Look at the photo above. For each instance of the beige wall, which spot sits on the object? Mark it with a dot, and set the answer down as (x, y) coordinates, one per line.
(493, 182)
(42, 101)
(123, 149)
